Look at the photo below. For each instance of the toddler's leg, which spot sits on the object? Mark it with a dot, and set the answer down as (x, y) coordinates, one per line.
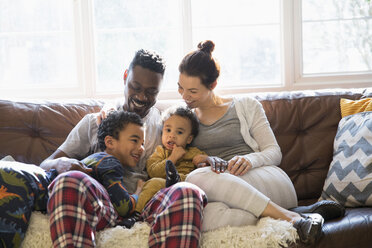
(150, 188)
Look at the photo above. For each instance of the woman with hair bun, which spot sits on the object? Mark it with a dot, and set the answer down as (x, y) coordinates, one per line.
(243, 181)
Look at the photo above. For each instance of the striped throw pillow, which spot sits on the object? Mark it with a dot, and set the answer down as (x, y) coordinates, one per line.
(349, 179)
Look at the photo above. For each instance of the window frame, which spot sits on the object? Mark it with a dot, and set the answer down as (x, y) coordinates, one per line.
(291, 59)
(319, 80)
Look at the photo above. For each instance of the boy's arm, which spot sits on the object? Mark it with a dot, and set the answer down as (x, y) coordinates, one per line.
(110, 175)
(77, 143)
(155, 165)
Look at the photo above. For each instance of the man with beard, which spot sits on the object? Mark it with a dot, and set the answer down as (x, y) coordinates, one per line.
(142, 81)
(79, 205)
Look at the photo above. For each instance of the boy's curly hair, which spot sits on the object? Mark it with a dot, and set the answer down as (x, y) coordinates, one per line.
(114, 123)
(183, 112)
(148, 60)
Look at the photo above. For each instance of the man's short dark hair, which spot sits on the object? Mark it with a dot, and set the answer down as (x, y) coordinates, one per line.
(148, 60)
(186, 113)
(115, 122)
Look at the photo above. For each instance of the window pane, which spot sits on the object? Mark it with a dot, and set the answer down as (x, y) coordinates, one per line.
(122, 27)
(36, 43)
(247, 38)
(112, 14)
(234, 12)
(248, 56)
(332, 9)
(337, 36)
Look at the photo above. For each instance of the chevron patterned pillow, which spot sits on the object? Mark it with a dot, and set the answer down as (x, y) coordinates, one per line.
(349, 179)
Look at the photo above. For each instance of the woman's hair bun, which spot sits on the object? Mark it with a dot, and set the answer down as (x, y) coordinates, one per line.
(206, 46)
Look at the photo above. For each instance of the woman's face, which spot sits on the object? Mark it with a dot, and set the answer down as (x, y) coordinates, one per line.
(193, 92)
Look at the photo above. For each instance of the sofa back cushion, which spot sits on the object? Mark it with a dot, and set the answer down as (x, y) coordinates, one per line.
(31, 131)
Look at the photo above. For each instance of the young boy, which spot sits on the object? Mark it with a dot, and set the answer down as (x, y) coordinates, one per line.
(121, 137)
(174, 159)
(24, 187)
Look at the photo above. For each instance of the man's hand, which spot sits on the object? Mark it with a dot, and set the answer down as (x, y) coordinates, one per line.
(177, 153)
(239, 165)
(60, 162)
(64, 164)
(140, 184)
(103, 114)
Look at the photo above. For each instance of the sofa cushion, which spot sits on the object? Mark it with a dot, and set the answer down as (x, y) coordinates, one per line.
(31, 131)
(349, 179)
(350, 107)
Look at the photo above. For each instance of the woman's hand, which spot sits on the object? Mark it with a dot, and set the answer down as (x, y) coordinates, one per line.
(217, 164)
(239, 165)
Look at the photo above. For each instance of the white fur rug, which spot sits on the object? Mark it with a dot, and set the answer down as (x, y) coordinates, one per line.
(267, 233)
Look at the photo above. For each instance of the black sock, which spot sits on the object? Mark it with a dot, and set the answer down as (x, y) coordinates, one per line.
(172, 174)
(129, 221)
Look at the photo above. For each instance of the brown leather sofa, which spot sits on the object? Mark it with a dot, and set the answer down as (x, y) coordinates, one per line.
(305, 124)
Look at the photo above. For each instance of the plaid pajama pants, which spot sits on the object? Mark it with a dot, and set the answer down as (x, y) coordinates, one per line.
(78, 206)
(175, 215)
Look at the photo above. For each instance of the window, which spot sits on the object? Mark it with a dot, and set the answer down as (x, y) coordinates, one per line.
(337, 36)
(334, 42)
(122, 27)
(77, 48)
(37, 47)
(247, 38)
(251, 40)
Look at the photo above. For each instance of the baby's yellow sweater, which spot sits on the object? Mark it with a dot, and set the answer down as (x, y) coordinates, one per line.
(155, 165)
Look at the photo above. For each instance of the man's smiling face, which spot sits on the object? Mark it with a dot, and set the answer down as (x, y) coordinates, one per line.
(141, 88)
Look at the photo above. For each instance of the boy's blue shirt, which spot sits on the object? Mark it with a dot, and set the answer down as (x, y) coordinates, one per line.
(108, 170)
